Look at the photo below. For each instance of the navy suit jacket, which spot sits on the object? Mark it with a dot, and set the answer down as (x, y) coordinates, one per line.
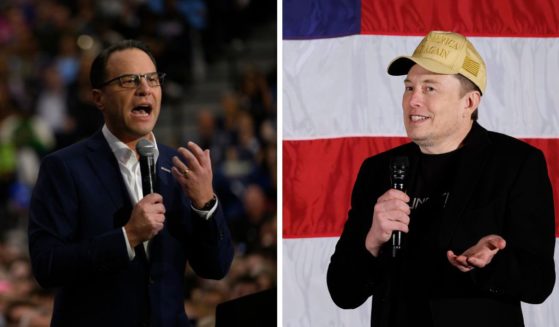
(502, 188)
(76, 243)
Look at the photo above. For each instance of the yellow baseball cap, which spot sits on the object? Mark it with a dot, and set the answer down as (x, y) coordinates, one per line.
(444, 53)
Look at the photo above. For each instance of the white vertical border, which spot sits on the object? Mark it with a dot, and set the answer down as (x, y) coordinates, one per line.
(279, 156)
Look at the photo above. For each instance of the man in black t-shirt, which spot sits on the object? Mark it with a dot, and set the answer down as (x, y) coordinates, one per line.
(477, 215)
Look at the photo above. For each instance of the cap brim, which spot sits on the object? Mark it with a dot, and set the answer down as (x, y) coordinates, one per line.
(402, 65)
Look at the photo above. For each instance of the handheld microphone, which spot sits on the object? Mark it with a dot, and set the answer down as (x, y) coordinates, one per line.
(146, 149)
(398, 171)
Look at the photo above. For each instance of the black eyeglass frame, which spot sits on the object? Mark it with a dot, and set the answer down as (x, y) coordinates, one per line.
(160, 78)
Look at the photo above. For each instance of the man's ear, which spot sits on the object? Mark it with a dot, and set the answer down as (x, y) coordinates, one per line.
(472, 100)
(97, 96)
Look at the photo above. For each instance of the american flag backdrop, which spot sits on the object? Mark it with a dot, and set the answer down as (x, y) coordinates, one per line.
(340, 106)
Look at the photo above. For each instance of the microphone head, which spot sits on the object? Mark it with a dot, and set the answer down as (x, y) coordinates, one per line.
(398, 170)
(399, 163)
(145, 148)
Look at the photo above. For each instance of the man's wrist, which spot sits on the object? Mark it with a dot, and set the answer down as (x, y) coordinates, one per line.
(206, 214)
(206, 206)
(131, 238)
(372, 248)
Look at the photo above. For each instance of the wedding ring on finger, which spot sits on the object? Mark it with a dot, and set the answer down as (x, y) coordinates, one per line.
(186, 172)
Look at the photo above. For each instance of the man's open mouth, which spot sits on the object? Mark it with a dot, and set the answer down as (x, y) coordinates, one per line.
(415, 118)
(142, 109)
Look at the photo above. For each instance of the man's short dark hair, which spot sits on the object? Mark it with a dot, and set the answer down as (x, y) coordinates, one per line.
(467, 86)
(98, 72)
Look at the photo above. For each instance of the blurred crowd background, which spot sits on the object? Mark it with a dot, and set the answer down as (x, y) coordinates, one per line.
(220, 91)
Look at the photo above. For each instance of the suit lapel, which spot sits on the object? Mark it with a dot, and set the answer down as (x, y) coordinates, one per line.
(105, 166)
(469, 168)
(163, 171)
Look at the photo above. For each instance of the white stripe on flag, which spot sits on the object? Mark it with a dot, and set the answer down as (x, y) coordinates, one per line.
(339, 87)
(307, 303)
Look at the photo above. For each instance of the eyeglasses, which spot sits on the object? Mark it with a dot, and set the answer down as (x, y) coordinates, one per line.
(132, 81)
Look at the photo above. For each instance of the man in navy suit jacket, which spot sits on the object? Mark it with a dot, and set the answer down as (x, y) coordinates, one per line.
(477, 218)
(117, 258)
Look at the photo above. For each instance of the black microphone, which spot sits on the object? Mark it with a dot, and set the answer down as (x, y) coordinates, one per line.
(398, 171)
(146, 149)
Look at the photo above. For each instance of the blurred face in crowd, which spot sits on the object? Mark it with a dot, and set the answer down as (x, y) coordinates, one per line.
(130, 112)
(437, 116)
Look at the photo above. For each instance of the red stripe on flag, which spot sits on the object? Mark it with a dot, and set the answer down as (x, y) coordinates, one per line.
(318, 177)
(505, 18)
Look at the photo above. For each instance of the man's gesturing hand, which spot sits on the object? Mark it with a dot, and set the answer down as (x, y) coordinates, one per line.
(479, 255)
(147, 219)
(195, 177)
(391, 213)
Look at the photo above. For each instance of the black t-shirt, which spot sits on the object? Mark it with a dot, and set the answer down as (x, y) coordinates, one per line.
(418, 270)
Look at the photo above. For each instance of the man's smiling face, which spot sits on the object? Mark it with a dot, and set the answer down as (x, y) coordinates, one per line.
(436, 116)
